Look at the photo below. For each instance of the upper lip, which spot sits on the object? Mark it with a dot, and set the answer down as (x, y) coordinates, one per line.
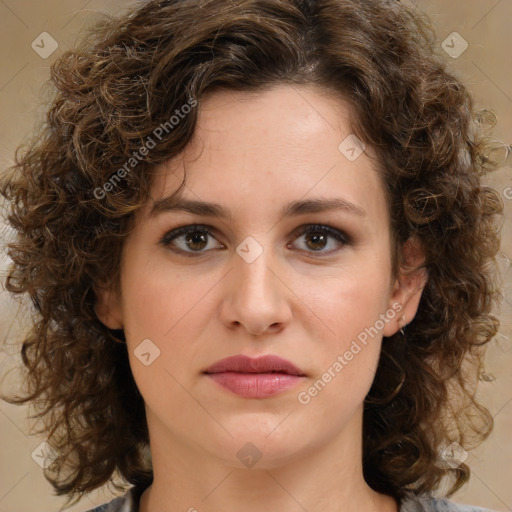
(246, 364)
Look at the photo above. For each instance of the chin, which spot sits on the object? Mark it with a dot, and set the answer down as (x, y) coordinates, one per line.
(259, 448)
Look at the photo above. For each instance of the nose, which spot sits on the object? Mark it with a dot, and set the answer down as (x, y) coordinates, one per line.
(256, 298)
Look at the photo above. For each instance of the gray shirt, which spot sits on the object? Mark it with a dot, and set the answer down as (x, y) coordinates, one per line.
(129, 502)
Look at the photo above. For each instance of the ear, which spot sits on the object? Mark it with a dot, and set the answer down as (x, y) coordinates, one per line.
(108, 307)
(408, 286)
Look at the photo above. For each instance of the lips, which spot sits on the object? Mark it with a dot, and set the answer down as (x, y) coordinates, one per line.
(263, 364)
(262, 377)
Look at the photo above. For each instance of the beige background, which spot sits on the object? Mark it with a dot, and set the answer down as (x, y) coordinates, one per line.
(485, 66)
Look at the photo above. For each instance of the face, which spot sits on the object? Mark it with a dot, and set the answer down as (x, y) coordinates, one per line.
(281, 274)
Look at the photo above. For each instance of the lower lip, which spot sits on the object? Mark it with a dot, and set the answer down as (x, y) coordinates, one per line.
(255, 385)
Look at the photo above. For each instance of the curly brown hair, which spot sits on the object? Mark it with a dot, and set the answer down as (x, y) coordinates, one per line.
(125, 79)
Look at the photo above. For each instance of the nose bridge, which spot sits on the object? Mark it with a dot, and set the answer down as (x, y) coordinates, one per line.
(256, 296)
(254, 262)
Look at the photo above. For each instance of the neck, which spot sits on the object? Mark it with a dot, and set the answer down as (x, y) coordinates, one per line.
(325, 478)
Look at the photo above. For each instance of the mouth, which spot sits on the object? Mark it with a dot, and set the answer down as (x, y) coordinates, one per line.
(263, 364)
(261, 377)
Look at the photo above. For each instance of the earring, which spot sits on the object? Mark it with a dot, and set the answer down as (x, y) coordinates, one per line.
(404, 323)
(117, 335)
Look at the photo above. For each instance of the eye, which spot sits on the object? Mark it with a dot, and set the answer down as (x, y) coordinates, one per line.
(193, 237)
(317, 237)
(193, 240)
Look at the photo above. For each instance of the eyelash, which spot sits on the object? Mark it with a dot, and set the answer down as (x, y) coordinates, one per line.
(322, 229)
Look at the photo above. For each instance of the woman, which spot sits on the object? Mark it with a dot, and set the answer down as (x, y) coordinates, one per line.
(259, 249)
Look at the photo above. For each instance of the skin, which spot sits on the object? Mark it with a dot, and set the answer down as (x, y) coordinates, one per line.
(254, 154)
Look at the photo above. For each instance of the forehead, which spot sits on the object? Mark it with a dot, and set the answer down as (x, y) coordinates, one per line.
(278, 145)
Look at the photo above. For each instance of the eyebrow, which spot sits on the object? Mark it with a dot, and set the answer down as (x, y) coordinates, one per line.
(293, 209)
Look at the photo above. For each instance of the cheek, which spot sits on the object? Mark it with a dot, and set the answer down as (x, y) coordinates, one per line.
(162, 311)
(349, 302)
(159, 300)
(169, 307)
(353, 310)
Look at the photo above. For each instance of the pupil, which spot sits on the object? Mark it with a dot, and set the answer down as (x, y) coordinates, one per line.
(318, 237)
(194, 237)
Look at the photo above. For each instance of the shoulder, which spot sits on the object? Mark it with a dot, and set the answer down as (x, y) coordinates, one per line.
(124, 503)
(429, 504)
(411, 503)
